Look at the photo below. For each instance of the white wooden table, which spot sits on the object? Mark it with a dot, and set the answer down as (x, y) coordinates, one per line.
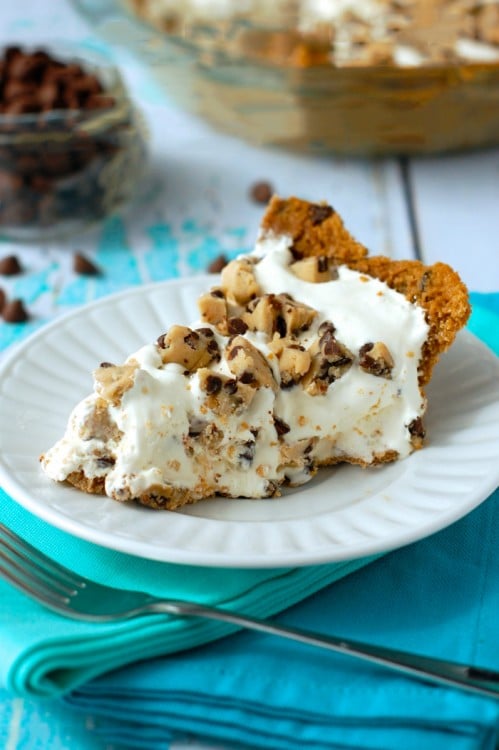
(194, 205)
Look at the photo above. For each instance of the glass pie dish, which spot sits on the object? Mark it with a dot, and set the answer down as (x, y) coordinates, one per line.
(272, 77)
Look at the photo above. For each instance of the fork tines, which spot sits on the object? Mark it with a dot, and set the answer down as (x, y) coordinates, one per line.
(33, 572)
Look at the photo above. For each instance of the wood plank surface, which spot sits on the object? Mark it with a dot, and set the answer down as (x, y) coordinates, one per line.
(457, 209)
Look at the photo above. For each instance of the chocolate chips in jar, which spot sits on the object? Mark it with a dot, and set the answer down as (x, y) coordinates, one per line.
(71, 149)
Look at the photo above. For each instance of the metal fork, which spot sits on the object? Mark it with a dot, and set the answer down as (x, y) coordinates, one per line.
(74, 596)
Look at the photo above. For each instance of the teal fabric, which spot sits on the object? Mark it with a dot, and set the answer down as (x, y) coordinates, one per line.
(259, 691)
(439, 597)
(43, 654)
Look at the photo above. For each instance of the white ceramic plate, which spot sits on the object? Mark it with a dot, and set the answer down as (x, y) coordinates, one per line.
(343, 513)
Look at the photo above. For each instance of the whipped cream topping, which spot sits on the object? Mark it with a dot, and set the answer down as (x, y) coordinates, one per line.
(163, 432)
(354, 24)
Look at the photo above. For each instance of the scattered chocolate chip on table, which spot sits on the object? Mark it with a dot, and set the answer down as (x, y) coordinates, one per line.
(217, 264)
(83, 266)
(261, 192)
(10, 266)
(14, 312)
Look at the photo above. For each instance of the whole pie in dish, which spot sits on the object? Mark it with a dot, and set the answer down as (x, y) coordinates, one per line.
(308, 352)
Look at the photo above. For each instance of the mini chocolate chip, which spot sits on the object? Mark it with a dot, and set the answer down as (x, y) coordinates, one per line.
(332, 348)
(98, 101)
(234, 352)
(213, 349)
(106, 364)
(261, 191)
(192, 339)
(365, 348)
(326, 326)
(230, 386)
(207, 332)
(217, 293)
(10, 266)
(281, 427)
(281, 327)
(236, 326)
(161, 341)
(217, 264)
(416, 428)
(14, 312)
(104, 462)
(248, 452)
(213, 385)
(319, 213)
(247, 377)
(83, 266)
(196, 427)
(322, 263)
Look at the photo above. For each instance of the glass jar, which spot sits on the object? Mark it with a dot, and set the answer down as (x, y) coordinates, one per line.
(63, 170)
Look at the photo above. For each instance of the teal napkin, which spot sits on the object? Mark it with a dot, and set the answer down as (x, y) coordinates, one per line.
(438, 597)
(43, 654)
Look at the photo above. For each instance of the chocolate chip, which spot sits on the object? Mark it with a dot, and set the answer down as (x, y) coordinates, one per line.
(213, 385)
(280, 326)
(14, 312)
(3, 299)
(261, 191)
(192, 339)
(10, 266)
(98, 101)
(247, 453)
(10, 183)
(161, 341)
(106, 364)
(326, 326)
(217, 293)
(416, 428)
(206, 332)
(230, 386)
(322, 264)
(236, 326)
(365, 348)
(105, 462)
(83, 266)
(319, 213)
(281, 427)
(246, 377)
(212, 348)
(328, 342)
(217, 264)
(334, 351)
(234, 352)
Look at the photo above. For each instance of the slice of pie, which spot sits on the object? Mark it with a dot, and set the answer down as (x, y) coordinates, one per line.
(308, 353)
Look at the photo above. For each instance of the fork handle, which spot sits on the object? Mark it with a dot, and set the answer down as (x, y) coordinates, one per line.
(472, 679)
